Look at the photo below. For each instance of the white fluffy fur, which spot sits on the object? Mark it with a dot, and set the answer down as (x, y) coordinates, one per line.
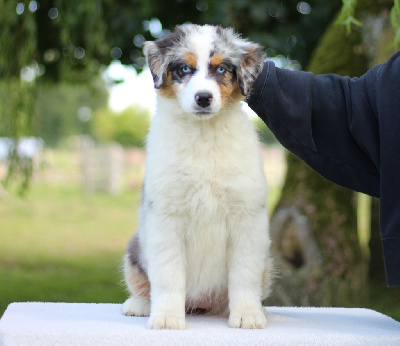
(203, 224)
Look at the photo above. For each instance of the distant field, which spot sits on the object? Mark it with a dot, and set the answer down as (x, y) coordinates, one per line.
(58, 244)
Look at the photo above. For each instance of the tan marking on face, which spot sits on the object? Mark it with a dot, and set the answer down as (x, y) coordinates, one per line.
(230, 92)
(216, 59)
(139, 282)
(190, 59)
(168, 89)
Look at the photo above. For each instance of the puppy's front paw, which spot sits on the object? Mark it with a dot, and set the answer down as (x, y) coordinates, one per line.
(249, 319)
(136, 306)
(166, 321)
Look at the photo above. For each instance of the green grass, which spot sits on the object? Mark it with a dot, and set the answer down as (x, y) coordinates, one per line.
(385, 299)
(61, 245)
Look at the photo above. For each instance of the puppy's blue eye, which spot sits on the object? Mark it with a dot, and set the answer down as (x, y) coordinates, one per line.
(221, 69)
(186, 69)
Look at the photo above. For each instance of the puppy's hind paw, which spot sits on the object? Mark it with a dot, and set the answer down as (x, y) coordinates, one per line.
(249, 319)
(166, 321)
(136, 306)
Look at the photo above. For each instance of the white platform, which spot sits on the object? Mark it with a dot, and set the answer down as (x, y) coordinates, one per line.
(103, 324)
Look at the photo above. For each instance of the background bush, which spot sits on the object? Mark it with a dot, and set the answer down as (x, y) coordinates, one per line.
(127, 128)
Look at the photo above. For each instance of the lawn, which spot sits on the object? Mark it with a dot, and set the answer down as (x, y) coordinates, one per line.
(61, 245)
(58, 244)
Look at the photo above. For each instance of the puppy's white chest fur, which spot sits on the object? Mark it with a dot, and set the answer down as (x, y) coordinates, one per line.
(205, 173)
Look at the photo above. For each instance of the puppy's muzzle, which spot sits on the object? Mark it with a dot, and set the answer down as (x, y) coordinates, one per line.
(203, 99)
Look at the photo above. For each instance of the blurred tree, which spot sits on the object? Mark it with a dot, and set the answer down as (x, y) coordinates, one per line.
(315, 224)
(129, 127)
(59, 40)
(287, 27)
(79, 103)
(48, 39)
(69, 40)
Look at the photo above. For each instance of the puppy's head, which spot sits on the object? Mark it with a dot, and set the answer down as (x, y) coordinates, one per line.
(206, 68)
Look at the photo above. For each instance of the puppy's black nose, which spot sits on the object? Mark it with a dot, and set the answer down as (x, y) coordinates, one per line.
(203, 99)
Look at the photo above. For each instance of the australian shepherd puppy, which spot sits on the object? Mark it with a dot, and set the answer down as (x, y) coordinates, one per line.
(203, 239)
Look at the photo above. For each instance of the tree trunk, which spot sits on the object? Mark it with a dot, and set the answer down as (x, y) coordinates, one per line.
(314, 227)
(314, 232)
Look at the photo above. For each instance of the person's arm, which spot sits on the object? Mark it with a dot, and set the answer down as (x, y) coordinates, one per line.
(346, 129)
(317, 118)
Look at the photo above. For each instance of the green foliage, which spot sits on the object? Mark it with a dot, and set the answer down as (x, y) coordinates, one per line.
(128, 127)
(342, 60)
(60, 40)
(18, 38)
(54, 39)
(65, 39)
(67, 109)
(346, 16)
(282, 26)
(78, 45)
(18, 99)
(395, 20)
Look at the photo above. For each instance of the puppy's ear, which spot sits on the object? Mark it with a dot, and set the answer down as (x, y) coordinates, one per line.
(159, 53)
(156, 61)
(251, 65)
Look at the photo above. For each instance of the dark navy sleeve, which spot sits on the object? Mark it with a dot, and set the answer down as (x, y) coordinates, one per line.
(388, 106)
(347, 130)
(312, 116)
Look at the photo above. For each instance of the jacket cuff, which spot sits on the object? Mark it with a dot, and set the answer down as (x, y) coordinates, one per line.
(259, 84)
(391, 250)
